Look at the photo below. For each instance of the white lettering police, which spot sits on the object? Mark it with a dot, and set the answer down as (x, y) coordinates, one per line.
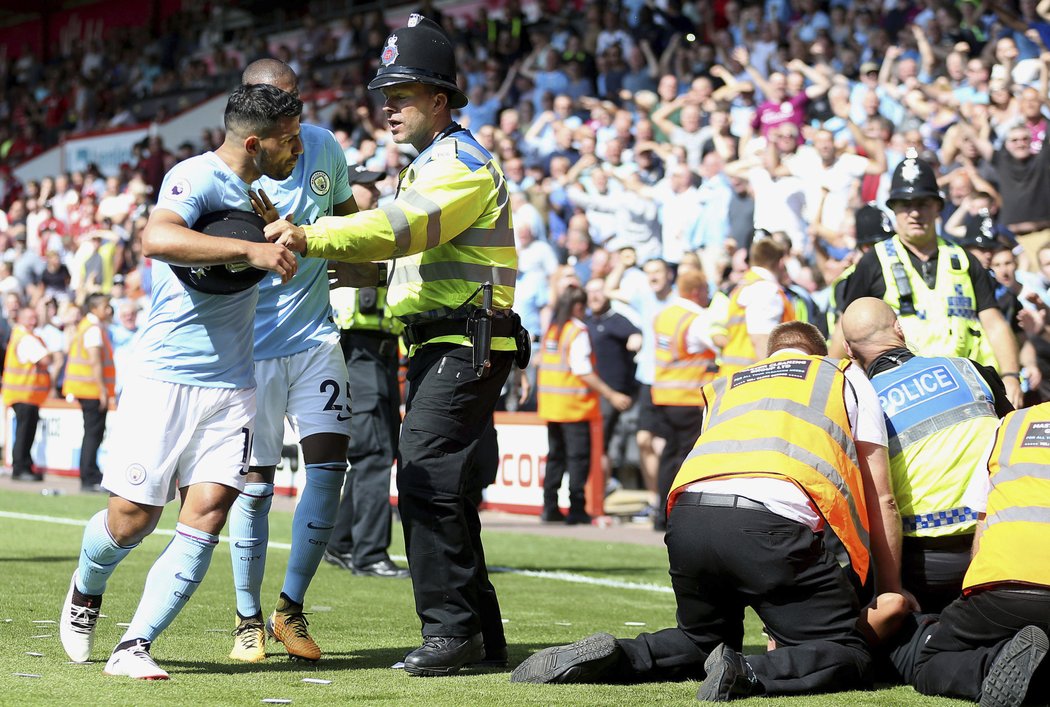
(919, 388)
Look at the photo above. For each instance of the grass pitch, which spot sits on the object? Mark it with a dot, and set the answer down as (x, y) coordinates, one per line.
(554, 591)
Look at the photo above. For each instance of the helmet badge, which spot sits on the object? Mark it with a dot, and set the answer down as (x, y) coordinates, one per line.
(389, 55)
(909, 171)
(414, 19)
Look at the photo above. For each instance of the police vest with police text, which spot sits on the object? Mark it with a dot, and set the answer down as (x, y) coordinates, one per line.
(941, 321)
(940, 416)
(785, 418)
(1015, 543)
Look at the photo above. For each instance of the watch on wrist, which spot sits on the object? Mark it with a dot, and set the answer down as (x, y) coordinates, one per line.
(381, 280)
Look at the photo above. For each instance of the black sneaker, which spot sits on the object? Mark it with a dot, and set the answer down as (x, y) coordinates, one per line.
(729, 677)
(1007, 681)
(342, 560)
(591, 659)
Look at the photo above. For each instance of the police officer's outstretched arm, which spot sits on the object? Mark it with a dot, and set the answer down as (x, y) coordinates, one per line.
(1004, 346)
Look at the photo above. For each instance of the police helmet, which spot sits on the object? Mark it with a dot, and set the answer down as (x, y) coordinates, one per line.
(872, 224)
(232, 277)
(913, 179)
(981, 232)
(420, 53)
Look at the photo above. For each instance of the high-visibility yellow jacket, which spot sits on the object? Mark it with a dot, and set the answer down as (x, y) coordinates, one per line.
(449, 230)
(1015, 543)
(940, 415)
(944, 321)
(785, 417)
(562, 396)
(739, 351)
(348, 315)
(24, 382)
(80, 381)
(679, 374)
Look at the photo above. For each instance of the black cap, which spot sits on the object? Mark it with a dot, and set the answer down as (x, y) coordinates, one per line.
(981, 232)
(872, 225)
(419, 53)
(232, 277)
(359, 174)
(913, 179)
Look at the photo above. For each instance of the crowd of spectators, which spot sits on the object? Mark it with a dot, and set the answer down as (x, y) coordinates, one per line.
(663, 129)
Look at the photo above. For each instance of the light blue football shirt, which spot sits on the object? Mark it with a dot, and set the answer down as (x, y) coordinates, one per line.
(191, 337)
(297, 315)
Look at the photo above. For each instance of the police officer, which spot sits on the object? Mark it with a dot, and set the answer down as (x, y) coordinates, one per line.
(370, 338)
(452, 284)
(992, 639)
(941, 413)
(941, 293)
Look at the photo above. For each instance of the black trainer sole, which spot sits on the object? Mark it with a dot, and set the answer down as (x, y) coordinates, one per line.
(1007, 681)
(586, 660)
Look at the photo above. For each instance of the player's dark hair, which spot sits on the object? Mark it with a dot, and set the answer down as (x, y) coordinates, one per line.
(255, 109)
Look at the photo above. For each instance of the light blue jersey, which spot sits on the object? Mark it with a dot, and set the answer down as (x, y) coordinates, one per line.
(297, 316)
(190, 337)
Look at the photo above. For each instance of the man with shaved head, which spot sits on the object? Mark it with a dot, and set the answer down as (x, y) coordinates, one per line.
(941, 414)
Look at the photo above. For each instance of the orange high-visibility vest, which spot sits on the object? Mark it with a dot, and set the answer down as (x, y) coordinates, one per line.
(679, 374)
(80, 379)
(739, 351)
(785, 418)
(562, 396)
(1015, 543)
(24, 382)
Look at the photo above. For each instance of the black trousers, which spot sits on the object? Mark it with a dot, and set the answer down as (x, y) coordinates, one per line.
(569, 450)
(683, 427)
(447, 455)
(27, 417)
(362, 526)
(724, 559)
(94, 430)
(972, 631)
(932, 569)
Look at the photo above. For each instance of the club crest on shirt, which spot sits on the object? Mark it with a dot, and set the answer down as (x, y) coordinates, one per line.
(389, 55)
(320, 182)
(135, 474)
(179, 189)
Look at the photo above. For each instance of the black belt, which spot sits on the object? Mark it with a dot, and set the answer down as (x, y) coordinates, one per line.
(940, 543)
(719, 500)
(380, 342)
(425, 331)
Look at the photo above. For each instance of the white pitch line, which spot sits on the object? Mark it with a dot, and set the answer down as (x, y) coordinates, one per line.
(539, 574)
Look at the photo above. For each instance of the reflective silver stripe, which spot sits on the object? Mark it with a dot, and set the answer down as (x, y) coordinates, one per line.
(561, 390)
(405, 272)
(1021, 471)
(433, 212)
(676, 385)
(1021, 514)
(800, 454)
(739, 319)
(399, 225)
(485, 237)
(563, 368)
(941, 421)
(462, 146)
(737, 360)
(472, 272)
(682, 363)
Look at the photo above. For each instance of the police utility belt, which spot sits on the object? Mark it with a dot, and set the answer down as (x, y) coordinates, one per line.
(501, 325)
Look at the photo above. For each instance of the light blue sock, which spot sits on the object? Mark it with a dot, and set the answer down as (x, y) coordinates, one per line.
(312, 525)
(249, 529)
(99, 556)
(171, 582)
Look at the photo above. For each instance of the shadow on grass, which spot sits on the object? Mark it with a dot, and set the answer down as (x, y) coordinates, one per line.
(554, 567)
(41, 558)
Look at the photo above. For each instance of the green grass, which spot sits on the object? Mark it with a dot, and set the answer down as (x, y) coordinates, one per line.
(371, 624)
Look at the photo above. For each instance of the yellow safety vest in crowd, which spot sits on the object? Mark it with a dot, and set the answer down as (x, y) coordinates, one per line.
(106, 255)
(561, 395)
(940, 415)
(679, 375)
(24, 382)
(449, 229)
(785, 418)
(739, 351)
(80, 379)
(832, 315)
(1015, 544)
(347, 317)
(938, 322)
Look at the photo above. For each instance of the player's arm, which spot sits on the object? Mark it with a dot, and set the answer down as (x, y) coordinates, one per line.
(168, 238)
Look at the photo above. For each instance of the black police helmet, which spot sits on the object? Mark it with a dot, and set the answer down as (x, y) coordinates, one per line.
(913, 179)
(981, 232)
(420, 53)
(232, 277)
(872, 225)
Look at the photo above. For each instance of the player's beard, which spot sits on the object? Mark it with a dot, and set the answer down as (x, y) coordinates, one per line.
(275, 168)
